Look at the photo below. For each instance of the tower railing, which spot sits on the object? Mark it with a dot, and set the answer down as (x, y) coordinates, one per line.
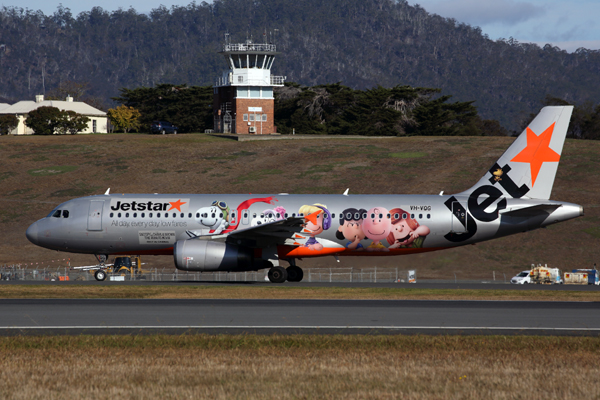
(274, 81)
(248, 47)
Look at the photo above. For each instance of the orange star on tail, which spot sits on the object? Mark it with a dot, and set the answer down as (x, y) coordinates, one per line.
(537, 151)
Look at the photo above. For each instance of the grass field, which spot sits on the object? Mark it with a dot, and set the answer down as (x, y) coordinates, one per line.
(37, 173)
(279, 292)
(299, 367)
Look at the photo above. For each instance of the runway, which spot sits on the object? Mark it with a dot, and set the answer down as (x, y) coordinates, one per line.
(173, 316)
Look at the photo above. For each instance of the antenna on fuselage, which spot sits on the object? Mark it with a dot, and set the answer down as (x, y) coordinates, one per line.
(107, 192)
(346, 192)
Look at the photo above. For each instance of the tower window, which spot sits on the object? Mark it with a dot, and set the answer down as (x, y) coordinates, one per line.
(240, 79)
(264, 117)
(251, 117)
(245, 117)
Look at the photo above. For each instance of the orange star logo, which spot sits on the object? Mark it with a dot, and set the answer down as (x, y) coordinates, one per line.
(537, 151)
(176, 204)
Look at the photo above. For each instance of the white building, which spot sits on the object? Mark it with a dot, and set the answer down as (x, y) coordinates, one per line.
(98, 120)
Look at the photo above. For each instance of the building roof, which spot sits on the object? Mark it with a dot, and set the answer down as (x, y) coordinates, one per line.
(4, 106)
(24, 107)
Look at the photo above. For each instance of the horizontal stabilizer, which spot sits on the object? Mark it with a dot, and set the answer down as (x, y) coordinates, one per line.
(530, 211)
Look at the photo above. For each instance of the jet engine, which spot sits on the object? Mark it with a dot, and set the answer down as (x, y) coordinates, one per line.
(206, 255)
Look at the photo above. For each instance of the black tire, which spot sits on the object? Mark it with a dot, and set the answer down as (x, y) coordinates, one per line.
(277, 275)
(100, 275)
(295, 274)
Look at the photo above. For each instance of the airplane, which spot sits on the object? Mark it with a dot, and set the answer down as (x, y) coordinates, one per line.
(237, 232)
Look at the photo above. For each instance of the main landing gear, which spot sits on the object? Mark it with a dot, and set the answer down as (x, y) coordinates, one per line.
(292, 273)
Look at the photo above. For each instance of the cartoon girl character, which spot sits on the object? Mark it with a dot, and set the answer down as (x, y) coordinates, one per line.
(317, 219)
(377, 226)
(406, 232)
(351, 228)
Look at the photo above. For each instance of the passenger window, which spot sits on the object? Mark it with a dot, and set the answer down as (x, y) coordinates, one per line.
(380, 216)
(174, 215)
(190, 215)
(254, 215)
(220, 215)
(197, 215)
(212, 215)
(119, 215)
(372, 216)
(56, 214)
(65, 214)
(404, 216)
(420, 216)
(389, 216)
(134, 215)
(412, 216)
(143, 215)
(278, 216)
(126, 215)
(396, 216)
(428, 216)
(150, 215)
(293, 215)
(286, 215)
(364, 215)
(181, 215)
(112, 214)
(157, 215)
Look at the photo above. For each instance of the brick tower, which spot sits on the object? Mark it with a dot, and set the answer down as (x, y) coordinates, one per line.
(243, 96)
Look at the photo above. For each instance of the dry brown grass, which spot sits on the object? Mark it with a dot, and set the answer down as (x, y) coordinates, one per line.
(275, 292)
(201, 164)
(299, 367)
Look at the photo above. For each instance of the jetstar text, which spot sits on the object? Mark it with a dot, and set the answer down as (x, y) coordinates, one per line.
(135, 206)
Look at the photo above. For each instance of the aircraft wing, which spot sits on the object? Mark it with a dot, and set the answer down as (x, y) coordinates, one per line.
(272, 233)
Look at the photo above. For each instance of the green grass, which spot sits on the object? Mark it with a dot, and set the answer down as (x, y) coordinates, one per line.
(61, 169)
(594, 231)
(257, 175)
(408, 154)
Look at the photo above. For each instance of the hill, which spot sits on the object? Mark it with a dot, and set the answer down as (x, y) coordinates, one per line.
(359, 43)
(39, 173)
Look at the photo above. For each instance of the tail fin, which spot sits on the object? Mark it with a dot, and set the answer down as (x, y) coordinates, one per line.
(528, 168)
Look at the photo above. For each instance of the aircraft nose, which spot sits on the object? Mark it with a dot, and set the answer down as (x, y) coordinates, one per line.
(32, 233)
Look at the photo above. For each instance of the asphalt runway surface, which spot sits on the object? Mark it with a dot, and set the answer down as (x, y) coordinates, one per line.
(174, 316)
(394, 285)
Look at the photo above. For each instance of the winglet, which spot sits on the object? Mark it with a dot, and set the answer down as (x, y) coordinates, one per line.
(107, 192)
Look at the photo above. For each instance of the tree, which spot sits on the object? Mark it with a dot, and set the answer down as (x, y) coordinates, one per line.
(44, 120)
(8, 122)
(72, 123)
(123, 117)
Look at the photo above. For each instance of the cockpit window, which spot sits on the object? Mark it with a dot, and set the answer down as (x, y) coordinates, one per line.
(56, 214)
(65, 213)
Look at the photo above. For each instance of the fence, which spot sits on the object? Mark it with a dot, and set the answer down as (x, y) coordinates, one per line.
(370, 275)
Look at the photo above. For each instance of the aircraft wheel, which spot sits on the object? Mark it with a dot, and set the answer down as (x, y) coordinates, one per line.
(295, 274)
(100, 275)
(277, 275)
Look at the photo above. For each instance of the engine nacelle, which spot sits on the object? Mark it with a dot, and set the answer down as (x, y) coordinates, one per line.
(205, 255)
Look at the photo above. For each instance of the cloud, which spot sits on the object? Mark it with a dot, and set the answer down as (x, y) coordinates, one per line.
(484, 12)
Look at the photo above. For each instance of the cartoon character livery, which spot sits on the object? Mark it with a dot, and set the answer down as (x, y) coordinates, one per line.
(406, 231)
(317, 219)
(350, 228)
(513, 196)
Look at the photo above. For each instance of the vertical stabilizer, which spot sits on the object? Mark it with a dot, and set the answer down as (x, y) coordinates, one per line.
(528, 168)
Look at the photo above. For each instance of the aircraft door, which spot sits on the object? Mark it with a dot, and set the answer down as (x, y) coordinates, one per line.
(245, 216)
(459, 218)
(95, 215)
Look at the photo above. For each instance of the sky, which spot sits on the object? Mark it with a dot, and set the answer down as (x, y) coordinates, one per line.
(568, 24)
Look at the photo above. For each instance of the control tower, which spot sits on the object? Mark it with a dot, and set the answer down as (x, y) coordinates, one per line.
(243, 96)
